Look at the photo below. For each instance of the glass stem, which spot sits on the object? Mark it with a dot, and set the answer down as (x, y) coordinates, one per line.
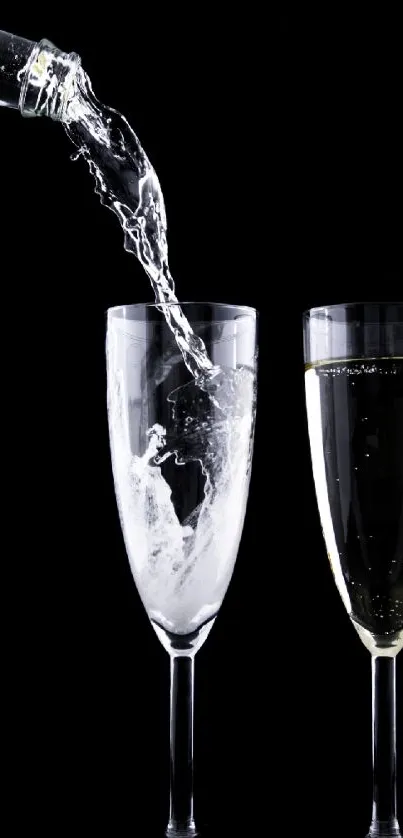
(181, 821)
(384, 821)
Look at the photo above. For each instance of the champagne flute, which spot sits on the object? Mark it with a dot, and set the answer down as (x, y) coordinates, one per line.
(354, 398)
(181, 453)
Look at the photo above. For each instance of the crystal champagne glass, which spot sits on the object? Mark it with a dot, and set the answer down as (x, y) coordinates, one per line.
(354, 398)
(181, 452)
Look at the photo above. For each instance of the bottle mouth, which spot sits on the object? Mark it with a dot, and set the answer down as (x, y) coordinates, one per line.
(48, 78)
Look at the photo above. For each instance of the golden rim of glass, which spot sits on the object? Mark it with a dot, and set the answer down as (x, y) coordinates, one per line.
(334, 306)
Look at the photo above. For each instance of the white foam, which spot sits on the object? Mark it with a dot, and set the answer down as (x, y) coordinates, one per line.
(182, 571)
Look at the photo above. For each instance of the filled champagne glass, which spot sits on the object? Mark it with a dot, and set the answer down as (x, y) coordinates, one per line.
(354, 398)
(181, 445)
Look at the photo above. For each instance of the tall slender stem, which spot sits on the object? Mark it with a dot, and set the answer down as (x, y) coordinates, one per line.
(384, 821)
(181, 823)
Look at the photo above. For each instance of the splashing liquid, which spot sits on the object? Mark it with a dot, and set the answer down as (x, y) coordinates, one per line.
(182, 567)
(127, 183)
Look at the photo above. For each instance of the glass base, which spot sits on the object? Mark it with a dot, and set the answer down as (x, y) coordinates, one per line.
(188, 832)
(389, 834)
(384, 829)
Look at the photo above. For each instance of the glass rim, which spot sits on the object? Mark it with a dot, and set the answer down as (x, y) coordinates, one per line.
(250, 310)
(354, 304)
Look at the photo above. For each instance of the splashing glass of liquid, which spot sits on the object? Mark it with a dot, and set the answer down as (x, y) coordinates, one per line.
(181, 385)
(181, 458)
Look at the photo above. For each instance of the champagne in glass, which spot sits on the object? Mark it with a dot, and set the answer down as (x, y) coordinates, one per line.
(181, 453)
(354, 397)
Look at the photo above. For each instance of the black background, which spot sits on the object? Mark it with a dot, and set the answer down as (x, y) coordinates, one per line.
(275, 139)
